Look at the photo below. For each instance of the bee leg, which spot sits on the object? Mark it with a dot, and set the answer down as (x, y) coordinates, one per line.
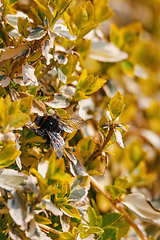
(39, 132)
(48, 142)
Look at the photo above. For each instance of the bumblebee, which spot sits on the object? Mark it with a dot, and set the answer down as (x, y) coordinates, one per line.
(53, 128)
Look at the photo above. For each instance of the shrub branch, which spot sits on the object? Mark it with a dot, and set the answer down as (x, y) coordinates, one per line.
(98, 151)
(119, 208)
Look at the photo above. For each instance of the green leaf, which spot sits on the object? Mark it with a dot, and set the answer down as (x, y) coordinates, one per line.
(86, 231)
(36, 33)
(79, 188)
(16, 120)
(8, 6)
(101, 10)
(116, 105)
(110, 218)
(81, 80)
(23, 24)
(42, 183)
(122, 228)
(61, 4)
(122, 182)
(92, 216)
(70, 210)
(109, 233)
(45, 9)
(83, 31)
(8, 155)
(42, 220)
(86, 146)
(2, 236)
(80, 96)
(84, 15)
(65, 190)
(67, 235)
(114, 192)
(34, 56)
(26, 104)
(95, 85)
(127, 36)
(151, 238)
(51, 166)
(127, 68)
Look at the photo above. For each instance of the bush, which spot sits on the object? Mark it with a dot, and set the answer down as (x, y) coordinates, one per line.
(56, 61)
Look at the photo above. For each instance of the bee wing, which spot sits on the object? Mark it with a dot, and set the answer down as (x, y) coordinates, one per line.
(71, 124)
(57, 143)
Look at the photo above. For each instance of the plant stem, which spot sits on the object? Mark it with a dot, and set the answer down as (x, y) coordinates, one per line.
(119, 208)
(98, 151)
(49, 229)
(48, 68)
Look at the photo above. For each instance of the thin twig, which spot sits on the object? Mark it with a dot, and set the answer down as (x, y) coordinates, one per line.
(98, 152)
(49, 229)
(48, 68)
(119, 208)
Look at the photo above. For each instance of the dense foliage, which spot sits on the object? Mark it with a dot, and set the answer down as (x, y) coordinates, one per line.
(90, 60)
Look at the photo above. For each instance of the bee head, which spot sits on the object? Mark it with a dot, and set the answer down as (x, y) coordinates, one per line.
(38, 120)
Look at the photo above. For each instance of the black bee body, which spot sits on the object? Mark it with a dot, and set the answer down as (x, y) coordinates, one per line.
(53, 129)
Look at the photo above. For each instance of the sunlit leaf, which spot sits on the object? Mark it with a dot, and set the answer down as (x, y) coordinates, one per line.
(17, 208)
(26, 104)
(70, 210)
(62, 31)
(60, 101)
(110, 218)
(43, 6)
(8, 156)
(51, 207)
(23, 24)
(109, 233)
(42, 220)
(86, 146)
(84, 15)
(11, 179)
(28, 74)
(119, 138)
(67, 235)
(34, 56)
(116, 105)
(16, 120)
(46, 47)
(121, 182)
(101, 10)
(65, 222)
(79, 188)
(4, 79)
(14, 53)
(114, 192)
(142, 208)
(106, 52)
(36, 33)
